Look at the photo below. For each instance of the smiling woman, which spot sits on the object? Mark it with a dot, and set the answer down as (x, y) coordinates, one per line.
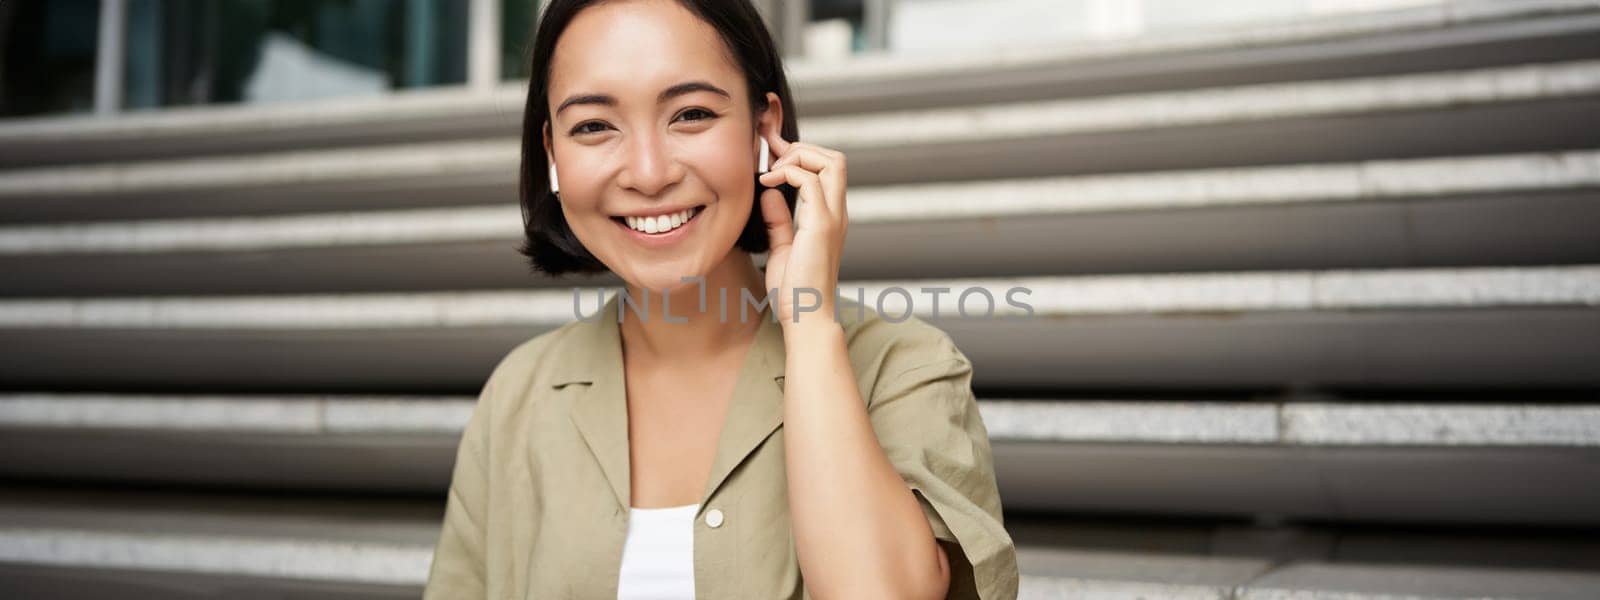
(700, 103)
(795, 455)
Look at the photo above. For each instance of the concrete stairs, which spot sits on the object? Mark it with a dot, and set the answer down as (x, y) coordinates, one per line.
(1316, 312)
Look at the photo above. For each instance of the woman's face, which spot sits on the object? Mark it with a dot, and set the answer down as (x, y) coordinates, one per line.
(651, 121)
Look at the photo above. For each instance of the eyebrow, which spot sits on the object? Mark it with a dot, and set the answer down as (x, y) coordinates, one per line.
(667, 94)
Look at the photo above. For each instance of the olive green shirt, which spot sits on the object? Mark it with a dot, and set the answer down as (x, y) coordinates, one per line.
(538, 500)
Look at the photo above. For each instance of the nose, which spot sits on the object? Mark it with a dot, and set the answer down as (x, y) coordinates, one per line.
(651, 165)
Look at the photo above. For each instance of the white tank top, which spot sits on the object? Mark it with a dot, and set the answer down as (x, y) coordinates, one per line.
(658, 556)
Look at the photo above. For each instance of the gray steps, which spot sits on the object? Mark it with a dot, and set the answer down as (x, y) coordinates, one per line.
(1089, 574)
(1337, 278)
(50, 582)
(56, 544)
(1328, 459)
(1384, 459)
(1514, 209)
(1456, 34)
(1407, 327)
(1398, 485)
(165, 545)
(390, 176)
(1538, 107)
(298, 442)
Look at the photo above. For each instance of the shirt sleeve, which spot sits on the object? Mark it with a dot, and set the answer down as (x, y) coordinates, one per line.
(458, 564)
(927, 420)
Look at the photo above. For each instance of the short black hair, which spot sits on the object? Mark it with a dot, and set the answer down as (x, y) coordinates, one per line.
(548, 242)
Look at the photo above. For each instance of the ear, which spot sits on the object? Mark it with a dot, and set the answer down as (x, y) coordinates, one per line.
(770, 122)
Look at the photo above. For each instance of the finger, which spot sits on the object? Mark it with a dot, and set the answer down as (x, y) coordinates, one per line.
(829, 165)
(775, 213)
(777, 144)
(812, 156)
(823, 150)
(811, 193)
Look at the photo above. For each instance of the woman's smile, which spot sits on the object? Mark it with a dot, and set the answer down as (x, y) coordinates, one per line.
(659, 229)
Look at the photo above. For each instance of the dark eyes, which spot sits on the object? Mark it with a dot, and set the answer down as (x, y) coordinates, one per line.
(582, 128)
(708, 114)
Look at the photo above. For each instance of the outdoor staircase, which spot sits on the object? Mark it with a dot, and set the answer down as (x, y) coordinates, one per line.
(1316, 312)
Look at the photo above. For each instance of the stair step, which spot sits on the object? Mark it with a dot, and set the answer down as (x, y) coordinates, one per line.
(1475, 326)
(1383, 459)
(1056, 297)
(1298, 422)
(1313, 311)
(51, 582)
(1399, 583)
(1295, 423)
(1451, 211)
(177, 545)
(1451, 35)
(151, 536)
(1406, 116)
(1059, 573)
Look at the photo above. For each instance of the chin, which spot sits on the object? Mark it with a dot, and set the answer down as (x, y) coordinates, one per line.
(667, 278)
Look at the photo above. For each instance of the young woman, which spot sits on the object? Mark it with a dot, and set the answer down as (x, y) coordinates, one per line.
(676, 445)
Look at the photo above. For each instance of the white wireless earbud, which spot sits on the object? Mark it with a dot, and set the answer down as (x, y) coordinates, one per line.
(764, 152)
(555, 186)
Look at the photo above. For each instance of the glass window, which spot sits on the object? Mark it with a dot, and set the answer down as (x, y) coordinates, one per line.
(835, 30)
(47, 53)
(182, 52)
(964, 26)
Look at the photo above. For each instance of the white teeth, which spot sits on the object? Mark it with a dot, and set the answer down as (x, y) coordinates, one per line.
(660, 224)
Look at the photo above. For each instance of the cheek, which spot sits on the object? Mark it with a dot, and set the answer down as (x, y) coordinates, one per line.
(729, 168)
(579, 207)
(735, 187)
(582, 173)
(581, 190)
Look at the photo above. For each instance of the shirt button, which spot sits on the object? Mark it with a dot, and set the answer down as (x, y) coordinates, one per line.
(714, 517)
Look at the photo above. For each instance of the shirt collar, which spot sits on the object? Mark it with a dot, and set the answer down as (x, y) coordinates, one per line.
(601, 413)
